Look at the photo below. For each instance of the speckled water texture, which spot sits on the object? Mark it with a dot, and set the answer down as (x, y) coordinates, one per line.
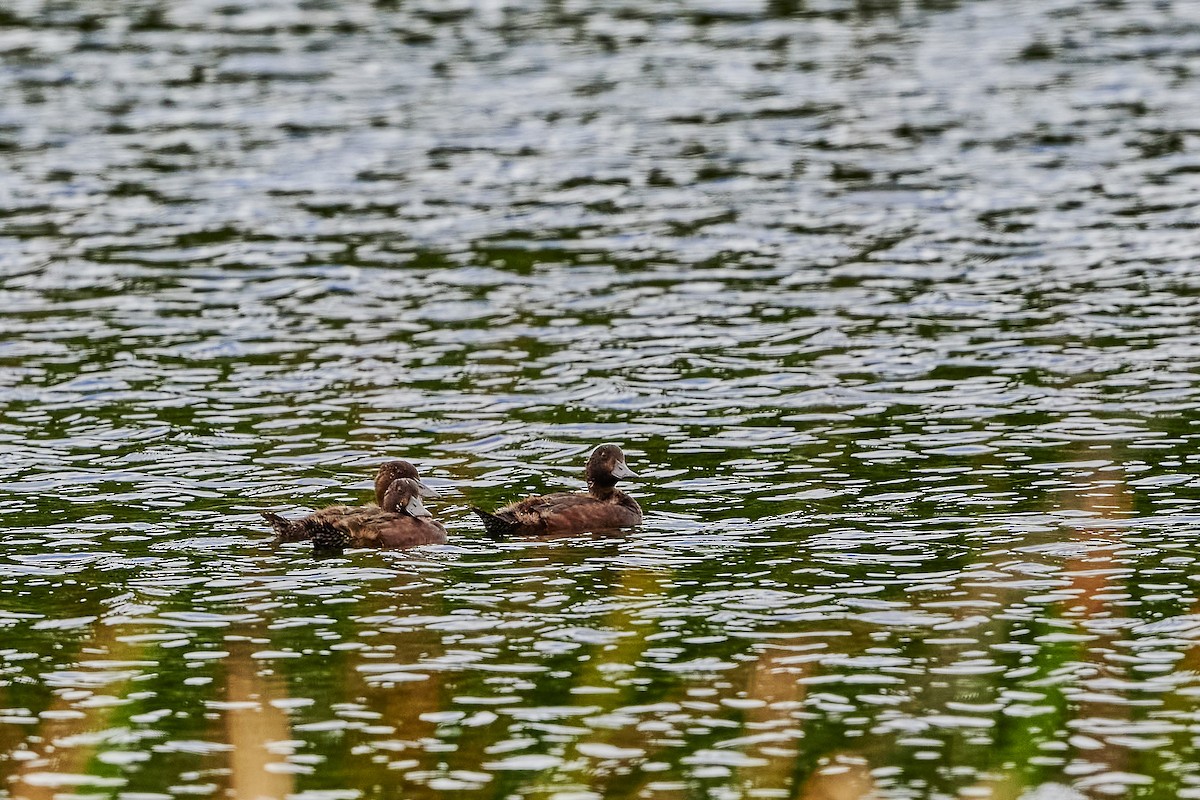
(892, 305)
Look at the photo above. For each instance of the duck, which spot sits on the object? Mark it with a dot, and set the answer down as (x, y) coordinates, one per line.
(603, 507)
(399, 521)
(302, 530)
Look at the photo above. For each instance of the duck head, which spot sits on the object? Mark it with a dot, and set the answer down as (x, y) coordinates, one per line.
(394, 470)
(403, 496)
(606, 466)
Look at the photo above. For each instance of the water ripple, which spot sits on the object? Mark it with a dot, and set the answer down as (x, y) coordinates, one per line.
(889, 304)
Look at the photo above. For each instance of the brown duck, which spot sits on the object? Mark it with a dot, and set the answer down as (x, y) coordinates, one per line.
(603, 507)
(370, 526)
(400, 521)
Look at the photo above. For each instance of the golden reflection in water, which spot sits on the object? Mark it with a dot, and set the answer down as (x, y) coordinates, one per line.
(849, 779)
(1094, 584)
(773, 692)
(404, 734)
(64, 746)
(255, 727)
(628, 779)
(405, 707)
(845, 773)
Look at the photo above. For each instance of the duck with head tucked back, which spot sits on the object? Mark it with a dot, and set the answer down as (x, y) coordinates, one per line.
(355, 517)
(604, 507)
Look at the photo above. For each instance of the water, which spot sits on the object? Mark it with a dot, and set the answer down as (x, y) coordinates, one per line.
(892, 306)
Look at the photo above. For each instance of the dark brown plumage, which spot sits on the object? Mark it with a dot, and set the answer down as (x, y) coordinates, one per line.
(603, 507)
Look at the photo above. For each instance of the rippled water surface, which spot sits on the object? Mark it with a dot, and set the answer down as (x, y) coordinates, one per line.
(893, 306)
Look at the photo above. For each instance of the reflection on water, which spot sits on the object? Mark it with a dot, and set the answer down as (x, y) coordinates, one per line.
(891, 304)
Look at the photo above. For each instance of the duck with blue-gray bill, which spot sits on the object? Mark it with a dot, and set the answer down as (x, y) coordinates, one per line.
(603, 507)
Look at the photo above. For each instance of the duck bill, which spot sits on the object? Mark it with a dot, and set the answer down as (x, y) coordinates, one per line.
(622, 471)
(427, 490)
(416, 508)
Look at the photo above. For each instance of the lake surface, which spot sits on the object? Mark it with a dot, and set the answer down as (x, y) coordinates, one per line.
(894, 307)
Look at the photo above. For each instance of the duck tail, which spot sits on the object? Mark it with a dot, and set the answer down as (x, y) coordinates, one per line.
(496, 527)
(285, 529)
